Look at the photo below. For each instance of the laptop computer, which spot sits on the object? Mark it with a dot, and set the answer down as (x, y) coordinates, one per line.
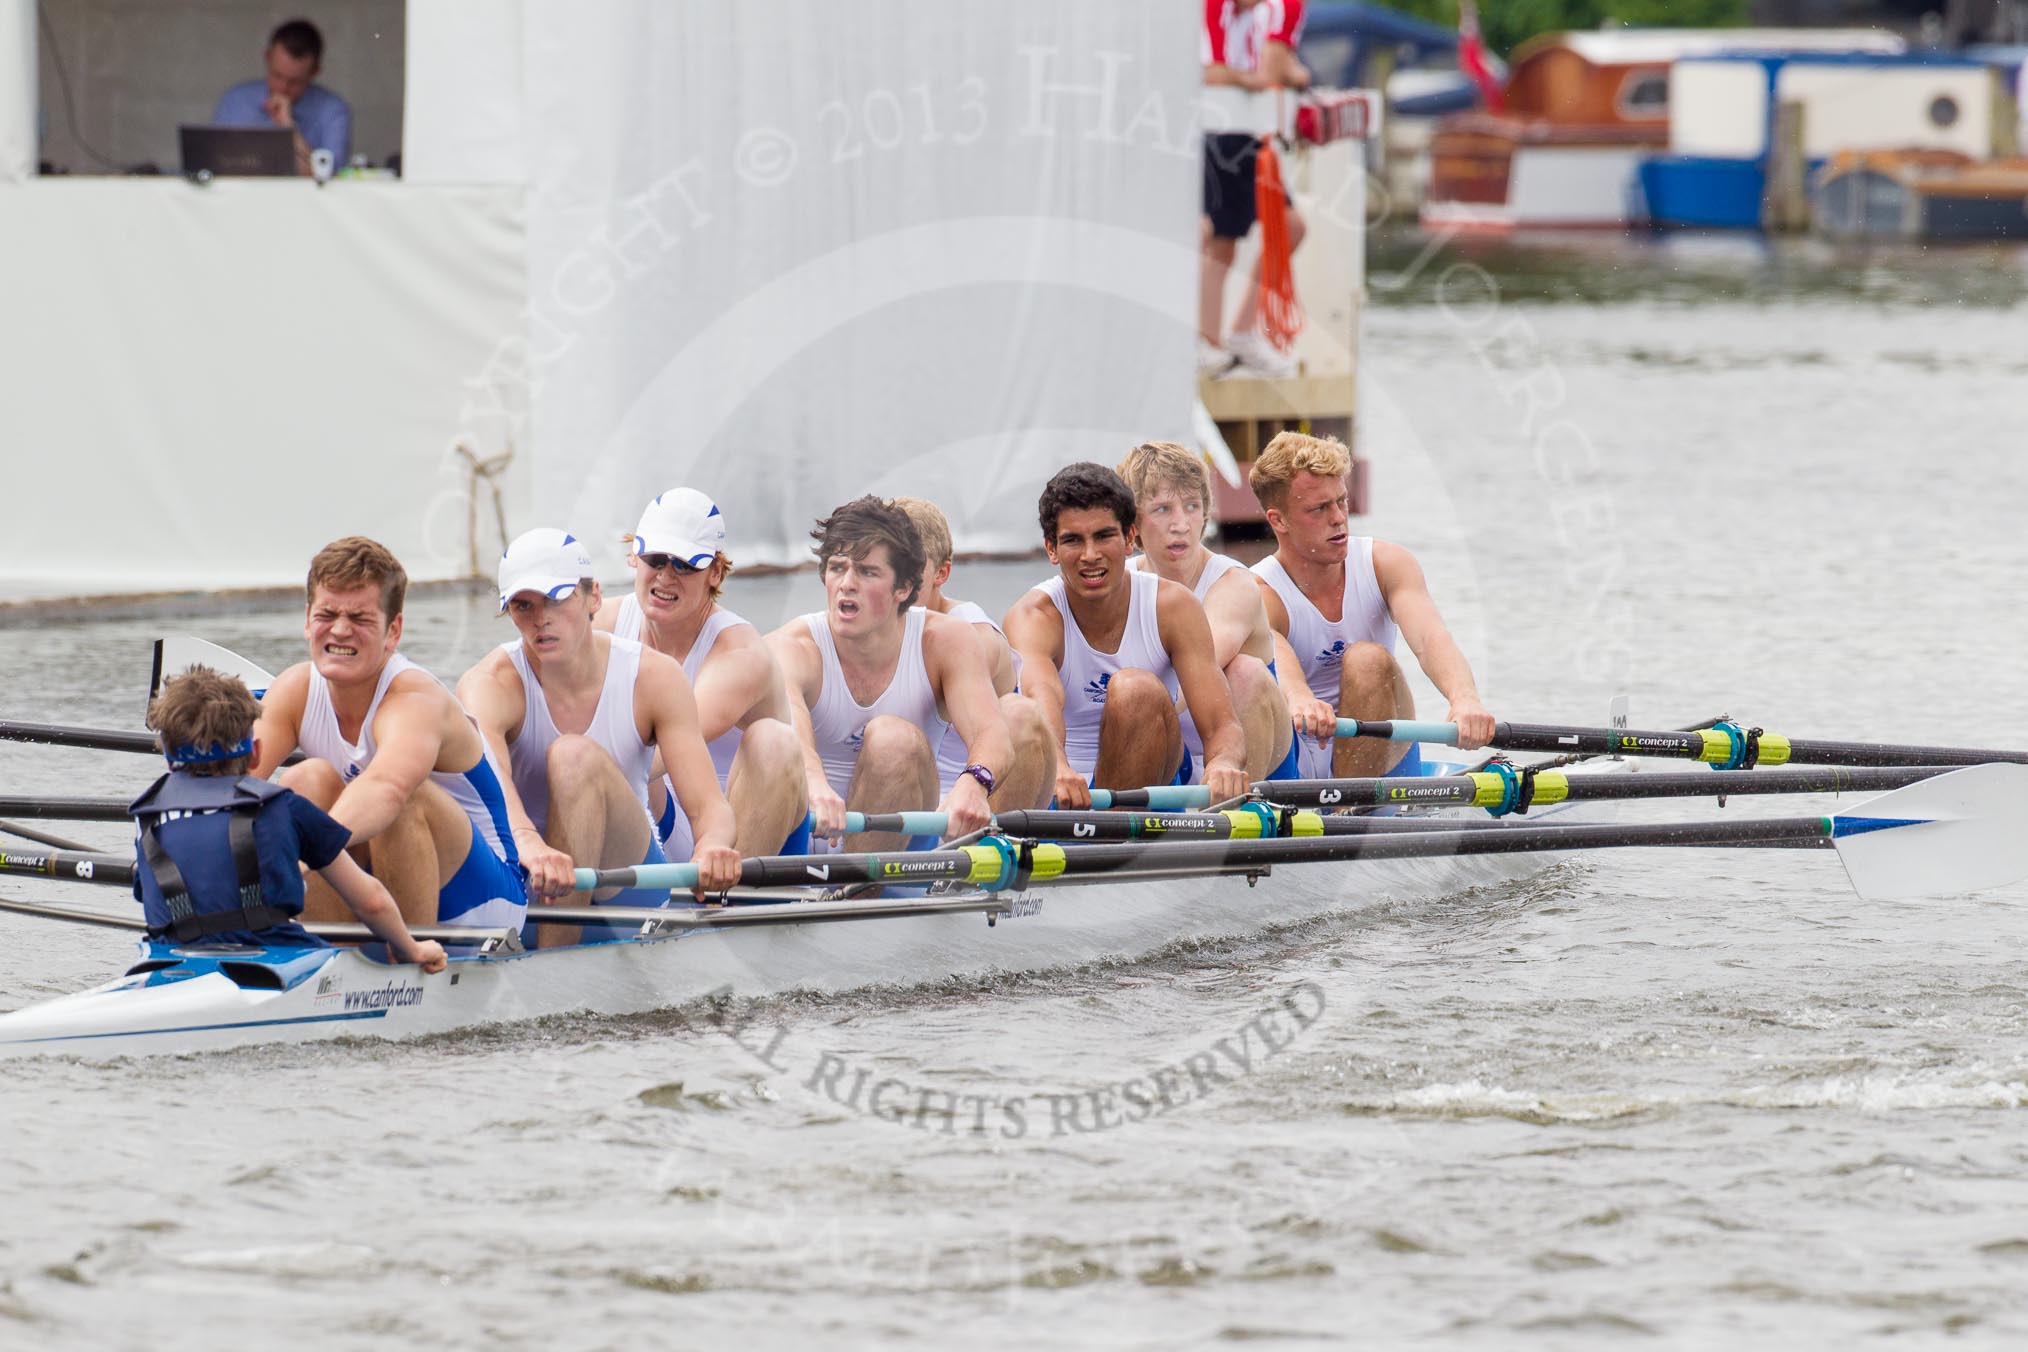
(261, 152)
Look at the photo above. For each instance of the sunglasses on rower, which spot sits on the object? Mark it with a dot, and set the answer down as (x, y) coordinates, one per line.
(655, 563)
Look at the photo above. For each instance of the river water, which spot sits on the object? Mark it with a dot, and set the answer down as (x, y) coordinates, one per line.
(1706, 1096)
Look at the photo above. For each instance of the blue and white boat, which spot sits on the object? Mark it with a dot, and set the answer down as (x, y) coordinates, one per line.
(1723, 110)
(176, 1000)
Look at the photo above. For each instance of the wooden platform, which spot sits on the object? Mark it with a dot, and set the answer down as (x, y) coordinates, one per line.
(1250, 412)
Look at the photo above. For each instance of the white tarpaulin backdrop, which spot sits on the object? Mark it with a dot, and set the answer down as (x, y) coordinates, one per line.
(792, 251)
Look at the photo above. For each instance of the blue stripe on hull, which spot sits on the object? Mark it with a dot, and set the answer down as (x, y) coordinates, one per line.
(214, 1027)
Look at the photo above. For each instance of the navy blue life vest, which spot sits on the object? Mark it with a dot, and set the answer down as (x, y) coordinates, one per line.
(215, 906)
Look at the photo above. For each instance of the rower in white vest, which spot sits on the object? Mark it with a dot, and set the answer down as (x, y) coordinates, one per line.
(679, 567)
(580, 718)
(1028, 786)
(875, 682)
(1105, 652)
(389, 753)
(1337, 603)
(1172, 494)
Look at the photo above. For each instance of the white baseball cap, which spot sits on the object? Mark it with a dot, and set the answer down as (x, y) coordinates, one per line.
(545, 560)
(682, 522)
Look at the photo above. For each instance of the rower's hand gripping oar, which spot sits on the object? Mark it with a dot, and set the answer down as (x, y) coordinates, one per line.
(1724, 746)
(1946, 836)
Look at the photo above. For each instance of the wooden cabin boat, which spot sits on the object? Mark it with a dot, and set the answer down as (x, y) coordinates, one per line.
(1584, 110)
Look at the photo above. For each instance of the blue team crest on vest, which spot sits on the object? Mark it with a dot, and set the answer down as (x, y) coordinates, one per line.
(1333, 655)
(858, 738)
(1095, 688)
(351, 773)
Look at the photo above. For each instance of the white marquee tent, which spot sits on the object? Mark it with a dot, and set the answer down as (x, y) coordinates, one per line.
(787, 251)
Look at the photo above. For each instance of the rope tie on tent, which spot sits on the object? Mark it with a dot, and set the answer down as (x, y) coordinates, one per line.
(1281, 314)
(487, 472)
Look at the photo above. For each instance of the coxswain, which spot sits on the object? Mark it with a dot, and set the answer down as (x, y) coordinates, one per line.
(579, 717)
(390, 753)
(679, 565)
(1105, 652)
(220, 853)
(1172, 495)
(1339, 601)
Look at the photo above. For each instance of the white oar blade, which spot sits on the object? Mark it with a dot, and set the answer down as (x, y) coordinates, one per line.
(1964, 833)
(183, 652)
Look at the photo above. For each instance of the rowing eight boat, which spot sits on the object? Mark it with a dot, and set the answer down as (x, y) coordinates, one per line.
(191, 999)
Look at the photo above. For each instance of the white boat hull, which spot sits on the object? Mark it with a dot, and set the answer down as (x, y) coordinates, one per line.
(334, 993)
(199, 1000)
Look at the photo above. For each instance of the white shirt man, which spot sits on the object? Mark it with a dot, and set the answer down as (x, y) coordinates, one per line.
(679, 566)
(1172, 493)
(1105, 652)
(1337, 603)
(580, 718)
(389, 753)
(875, 681)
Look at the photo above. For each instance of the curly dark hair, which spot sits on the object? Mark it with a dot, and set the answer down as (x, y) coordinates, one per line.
(854, 529)
(1083, 485)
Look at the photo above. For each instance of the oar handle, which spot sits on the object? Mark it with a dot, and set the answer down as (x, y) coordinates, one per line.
(670, 876)
(1400, 730)
(903, 823)
(1155, 798)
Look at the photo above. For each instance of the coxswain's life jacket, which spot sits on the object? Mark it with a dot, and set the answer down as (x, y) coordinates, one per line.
(230, 810)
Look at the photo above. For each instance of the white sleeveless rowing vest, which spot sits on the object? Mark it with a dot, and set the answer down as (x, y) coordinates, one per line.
(476, 790)
(839, 721)
(630, 623)
(1321, 643)
(1215, 567)
(951, 758)
(613, 727)
(1086, 671)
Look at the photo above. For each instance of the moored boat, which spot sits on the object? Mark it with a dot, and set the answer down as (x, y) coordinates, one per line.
(1724, 136)
(1926, 195)
(1584, 112)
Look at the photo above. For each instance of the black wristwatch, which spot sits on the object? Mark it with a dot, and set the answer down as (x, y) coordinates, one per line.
(982, 774)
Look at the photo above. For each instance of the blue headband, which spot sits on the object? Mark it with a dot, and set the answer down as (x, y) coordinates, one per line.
(218, 751)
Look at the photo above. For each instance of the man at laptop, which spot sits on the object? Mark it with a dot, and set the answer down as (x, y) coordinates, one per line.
(288, 98)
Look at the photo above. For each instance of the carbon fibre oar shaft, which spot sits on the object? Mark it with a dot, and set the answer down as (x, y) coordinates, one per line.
(1488, 788)
(66, 809)
(62, 734)
(1493, 789)
(1723, 745)
(996, 861)
(72, 865)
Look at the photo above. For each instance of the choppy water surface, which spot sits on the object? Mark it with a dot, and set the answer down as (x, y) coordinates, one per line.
(1699, 1095)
